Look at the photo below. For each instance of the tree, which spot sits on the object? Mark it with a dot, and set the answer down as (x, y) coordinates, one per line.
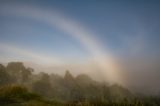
(43, 85)
(26, 74)
(18, 71)
(68, 76)
(4, 76)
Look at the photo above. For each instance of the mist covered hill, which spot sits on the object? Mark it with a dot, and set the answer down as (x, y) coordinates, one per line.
(18, 84)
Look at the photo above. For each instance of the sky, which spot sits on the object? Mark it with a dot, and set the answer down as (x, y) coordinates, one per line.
(114, 39)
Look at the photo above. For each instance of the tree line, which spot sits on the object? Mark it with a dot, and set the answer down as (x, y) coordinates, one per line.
(19, 85)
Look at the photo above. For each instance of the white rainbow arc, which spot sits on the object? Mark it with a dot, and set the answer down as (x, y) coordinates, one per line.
(35, 57)
(104, 59)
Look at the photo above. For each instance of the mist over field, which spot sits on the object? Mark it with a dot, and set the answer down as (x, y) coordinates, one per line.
(142, 77)
(79, 53)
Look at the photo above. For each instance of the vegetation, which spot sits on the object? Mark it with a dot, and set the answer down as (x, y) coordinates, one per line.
(20, 87)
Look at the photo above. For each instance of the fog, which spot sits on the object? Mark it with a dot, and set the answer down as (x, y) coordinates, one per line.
(79, 53)
(140, 75)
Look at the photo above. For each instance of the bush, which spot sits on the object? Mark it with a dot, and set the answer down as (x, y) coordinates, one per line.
(16, 94)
